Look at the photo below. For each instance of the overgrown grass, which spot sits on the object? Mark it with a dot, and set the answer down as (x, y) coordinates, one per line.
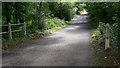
(101, 54)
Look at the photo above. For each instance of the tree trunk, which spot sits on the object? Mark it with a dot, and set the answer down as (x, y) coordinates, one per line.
(7, 15)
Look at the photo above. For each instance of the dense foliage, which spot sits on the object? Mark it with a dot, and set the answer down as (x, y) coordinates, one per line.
(106, 13)
(63, 10)
(42, 16)
(54, 22)
(37, 15)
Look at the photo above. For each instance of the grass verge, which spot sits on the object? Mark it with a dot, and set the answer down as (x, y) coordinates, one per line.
(104, 58)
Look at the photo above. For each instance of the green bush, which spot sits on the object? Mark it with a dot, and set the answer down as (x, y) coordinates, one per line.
(54, 22)
(68, 11)
(99, 34)
(115, 36)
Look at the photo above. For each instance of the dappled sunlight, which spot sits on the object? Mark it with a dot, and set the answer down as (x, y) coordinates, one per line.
(60, 33)
(84, 12)
(72, 27)
(70, 42)
(76, 26)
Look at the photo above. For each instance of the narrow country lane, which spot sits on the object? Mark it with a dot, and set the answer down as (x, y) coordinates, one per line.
(70, 46)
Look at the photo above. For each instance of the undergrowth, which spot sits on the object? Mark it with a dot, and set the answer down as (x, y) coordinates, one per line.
(17, 42)
(101, 54)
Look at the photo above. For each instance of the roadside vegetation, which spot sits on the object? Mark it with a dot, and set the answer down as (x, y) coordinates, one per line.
(41, 18)
(44, 18)
(99, 15)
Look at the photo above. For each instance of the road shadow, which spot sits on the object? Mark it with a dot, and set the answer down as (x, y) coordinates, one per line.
(79, 25)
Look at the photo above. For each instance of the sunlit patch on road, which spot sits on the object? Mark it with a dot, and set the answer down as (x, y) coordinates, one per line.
(62, 48)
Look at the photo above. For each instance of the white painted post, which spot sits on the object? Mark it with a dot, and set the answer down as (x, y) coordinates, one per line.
(107, 38)
(24, 28)
(9, 31)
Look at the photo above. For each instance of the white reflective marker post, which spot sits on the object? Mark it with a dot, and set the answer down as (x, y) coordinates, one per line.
(107, 37)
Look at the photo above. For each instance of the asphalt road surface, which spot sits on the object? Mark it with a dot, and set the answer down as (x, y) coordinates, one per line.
(70, 46)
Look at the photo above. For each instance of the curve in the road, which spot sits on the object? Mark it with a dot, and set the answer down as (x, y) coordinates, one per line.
(67, 47)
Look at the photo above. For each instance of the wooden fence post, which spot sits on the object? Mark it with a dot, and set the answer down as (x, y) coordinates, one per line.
(9, 31)
(24, 28)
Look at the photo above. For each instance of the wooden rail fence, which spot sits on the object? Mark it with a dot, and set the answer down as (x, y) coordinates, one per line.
(10, 30)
